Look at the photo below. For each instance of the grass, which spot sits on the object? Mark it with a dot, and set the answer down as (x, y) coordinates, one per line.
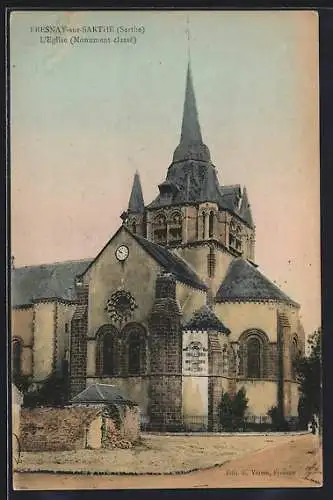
(153, 454)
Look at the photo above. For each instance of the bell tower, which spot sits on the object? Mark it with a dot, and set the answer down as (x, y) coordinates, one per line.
(134, 217)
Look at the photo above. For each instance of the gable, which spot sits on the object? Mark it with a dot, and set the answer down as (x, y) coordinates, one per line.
(161, 256)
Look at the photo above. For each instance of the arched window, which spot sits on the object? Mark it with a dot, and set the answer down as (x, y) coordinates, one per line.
(235, 236)
(134, 226)
(175, 227)
(136, 354)
(136, 349)
(232, 359)
(293, 357)
(211, 225)
(16, 356)
(211, 262)
(203, 225)
(160, 229)
(106, 352)
(253, 357)
(225, 362)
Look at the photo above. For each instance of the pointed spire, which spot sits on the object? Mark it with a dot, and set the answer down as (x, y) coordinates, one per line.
(245, 209)
(136, 203)
(190, 125)
(191, 145)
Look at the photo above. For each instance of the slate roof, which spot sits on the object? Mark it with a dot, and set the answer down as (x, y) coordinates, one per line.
(244, 282)
(102, 393)
(245, 209)
(46, 281)
(231, 196)
(195, 182)
(210, 190)
(136, 203)
(171, 263)
(205, 319)
(191, 145)
(191, 177)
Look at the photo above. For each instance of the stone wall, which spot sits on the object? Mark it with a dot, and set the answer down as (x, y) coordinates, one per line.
(22, 324)
(240, 317)
(64, 314)
(262, 395)
(78, 427)
(272, 361)
(17, 400)
(165, 392)
(44, 339)
(55, 428)
(107, 274)
(78, 349)
(216, 385)
(130, 424)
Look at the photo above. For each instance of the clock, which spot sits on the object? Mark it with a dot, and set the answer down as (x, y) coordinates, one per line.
(122, 253)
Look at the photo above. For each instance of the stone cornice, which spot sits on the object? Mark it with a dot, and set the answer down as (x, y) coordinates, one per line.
(197, 205)
(22, 306)
(202, 243)
(256, 301)
(45, 300)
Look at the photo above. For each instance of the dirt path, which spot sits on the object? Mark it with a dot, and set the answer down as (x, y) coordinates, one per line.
(292, 464)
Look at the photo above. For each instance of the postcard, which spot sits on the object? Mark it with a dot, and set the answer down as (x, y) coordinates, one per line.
(165, 241)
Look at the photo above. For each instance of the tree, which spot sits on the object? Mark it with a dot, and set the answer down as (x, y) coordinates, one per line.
(54, 392)
(232, 409)
(308, 369)
(22, 382)
(278, 422)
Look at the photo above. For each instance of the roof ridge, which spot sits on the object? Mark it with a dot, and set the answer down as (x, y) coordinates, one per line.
(230, 185)
(108, 385)
(88, 259)
(201, 318)
(166, 254)
(181, 258)
(99, 391)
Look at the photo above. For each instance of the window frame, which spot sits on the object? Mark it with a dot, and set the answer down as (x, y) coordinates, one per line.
(264, 342)
(17, 343)
(106, 332)
(136, 333)
(256, 369)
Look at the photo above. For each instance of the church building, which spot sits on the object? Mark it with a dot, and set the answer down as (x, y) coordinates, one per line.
(174, 309)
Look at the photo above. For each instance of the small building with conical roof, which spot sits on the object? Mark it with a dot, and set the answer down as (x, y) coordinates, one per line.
(173, 310)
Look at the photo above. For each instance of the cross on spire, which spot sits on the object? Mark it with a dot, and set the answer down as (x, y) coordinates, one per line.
(191, 145)
(188, 34)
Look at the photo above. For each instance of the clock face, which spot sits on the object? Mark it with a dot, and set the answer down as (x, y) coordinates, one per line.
(122, 252)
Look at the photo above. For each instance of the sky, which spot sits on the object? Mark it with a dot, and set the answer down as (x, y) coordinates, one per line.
(85, 117)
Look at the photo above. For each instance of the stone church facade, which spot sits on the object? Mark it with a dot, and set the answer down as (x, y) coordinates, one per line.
(174, 309)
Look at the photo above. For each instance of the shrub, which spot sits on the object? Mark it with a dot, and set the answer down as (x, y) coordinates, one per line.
(54, 392)
(278, 421)
(232, 410)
